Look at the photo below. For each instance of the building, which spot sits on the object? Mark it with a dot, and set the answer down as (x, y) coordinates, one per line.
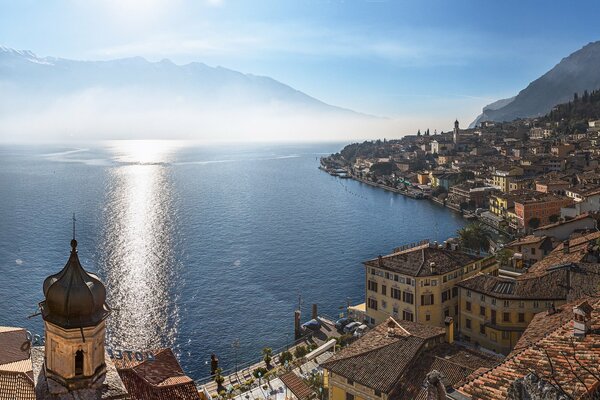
(393, 360)
(418, 283)
(562, 230)
(502, 177)
(551, 186)
(558, 358)
(16, 371)
(530, 249)
(470, 195)
(495, 311)
(539, 210)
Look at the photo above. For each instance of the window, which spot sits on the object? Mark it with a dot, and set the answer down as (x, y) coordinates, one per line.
(506, 317)
(377, 393)
(427, 317)
(482, 329)
(409, 281)
(454, 292)
(396, 293)
(493, 316)
(493, 337)
(505, 335)
(434, 282)
(383, 304)
(408, 297)
(372, 303)
(445, 295)
(387, 275)
(384, 290)
(79, 362)
(493, 302)
(396, 277)
(446, 312)
(407, 316)
(468, 306)
(482, 310)
(350, 381)
(468, 293)
(506, 303)
(468, 323)
(349, 396)
(372, 286)
(536, 304)
(533, 251)
(426, 299)
(521, 317)
(482, 298)
(445, 279)
(395, 310)
(401, 279)
(521, 304)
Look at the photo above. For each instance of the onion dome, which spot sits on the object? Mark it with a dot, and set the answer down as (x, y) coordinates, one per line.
(75, 298)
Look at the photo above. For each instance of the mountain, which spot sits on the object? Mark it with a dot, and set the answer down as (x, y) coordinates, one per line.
(110, 99)
(578, 72)
(484, 116)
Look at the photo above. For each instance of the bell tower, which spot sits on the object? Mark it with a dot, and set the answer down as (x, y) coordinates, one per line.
(74, 313)
(456, 135)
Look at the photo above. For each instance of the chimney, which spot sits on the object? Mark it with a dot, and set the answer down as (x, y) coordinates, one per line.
(432, 267)
(380, 261)
(582, 317)
(435, 387)
(449, 322)
(566, 246)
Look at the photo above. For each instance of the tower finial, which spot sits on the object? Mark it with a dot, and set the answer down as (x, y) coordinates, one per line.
(73, 241)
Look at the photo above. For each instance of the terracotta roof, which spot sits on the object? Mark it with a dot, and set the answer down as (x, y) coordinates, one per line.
(158, 379)
(455, 362)
(16, 375)
(300, 389)
(416, 261)
(530, 239)
(550, 286)
(557, 358)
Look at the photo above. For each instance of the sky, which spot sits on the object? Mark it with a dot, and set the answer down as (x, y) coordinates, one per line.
(421, 62)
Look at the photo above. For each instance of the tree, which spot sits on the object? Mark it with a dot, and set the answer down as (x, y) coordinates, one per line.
(534, 223)
(474, 237)
(300, 351)
(503, 257)
(259, 372)
(554, 218)
(268, 356)
(219, 379)
(427, 132)
(419, 132)
(286, 356)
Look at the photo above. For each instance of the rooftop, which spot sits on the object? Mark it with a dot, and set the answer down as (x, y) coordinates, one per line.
(417, 261)
(547, 287)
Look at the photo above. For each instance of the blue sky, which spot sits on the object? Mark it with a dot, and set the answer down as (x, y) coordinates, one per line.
(425, 61)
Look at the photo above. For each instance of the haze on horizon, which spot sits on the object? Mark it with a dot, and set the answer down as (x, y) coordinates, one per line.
(419, 64)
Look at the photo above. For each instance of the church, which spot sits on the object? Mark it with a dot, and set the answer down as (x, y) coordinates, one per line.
(73, 363)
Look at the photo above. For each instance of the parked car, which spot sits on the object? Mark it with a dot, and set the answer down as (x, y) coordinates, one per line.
(361, 330)
(351, 327)
(313, 325)
(342, 322)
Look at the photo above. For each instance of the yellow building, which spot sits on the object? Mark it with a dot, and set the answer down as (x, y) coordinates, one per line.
(418, 283)
(502, 177)
(394, 359)
(495, 311)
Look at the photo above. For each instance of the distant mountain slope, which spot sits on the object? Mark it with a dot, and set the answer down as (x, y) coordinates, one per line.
(48, 96)
(578, 72)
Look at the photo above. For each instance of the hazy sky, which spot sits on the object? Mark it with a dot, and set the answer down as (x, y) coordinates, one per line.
(426, 61)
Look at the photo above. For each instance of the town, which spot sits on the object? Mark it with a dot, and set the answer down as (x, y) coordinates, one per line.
(507, 309)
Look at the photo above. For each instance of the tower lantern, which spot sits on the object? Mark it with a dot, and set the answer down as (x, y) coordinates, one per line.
(74, 313)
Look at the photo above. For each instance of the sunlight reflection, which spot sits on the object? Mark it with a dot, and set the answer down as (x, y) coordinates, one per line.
(139, 247)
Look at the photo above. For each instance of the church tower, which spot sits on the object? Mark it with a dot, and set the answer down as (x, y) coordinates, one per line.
(456, 135)
(74, 313)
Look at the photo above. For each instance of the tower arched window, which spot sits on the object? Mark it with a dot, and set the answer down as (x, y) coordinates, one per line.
(79, 362)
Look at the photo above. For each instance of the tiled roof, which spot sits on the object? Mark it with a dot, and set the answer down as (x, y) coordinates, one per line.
(547, 287)
(158, 379)
(530, 239)
(16, 376)
(557, 357)
(416, 261)
(578, 250)
(300, 389)
(380, 358)
(456, 363)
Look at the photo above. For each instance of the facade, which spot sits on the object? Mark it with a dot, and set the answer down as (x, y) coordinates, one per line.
(418, 283)
(530, 249)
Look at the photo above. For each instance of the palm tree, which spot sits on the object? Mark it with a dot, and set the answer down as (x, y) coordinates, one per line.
(474, 237)
(268, 353)
(219, 379)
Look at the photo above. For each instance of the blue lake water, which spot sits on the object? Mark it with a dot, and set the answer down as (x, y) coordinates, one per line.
(198, 246)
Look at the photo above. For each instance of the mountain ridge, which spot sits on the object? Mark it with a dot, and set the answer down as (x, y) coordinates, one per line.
(574, 73)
